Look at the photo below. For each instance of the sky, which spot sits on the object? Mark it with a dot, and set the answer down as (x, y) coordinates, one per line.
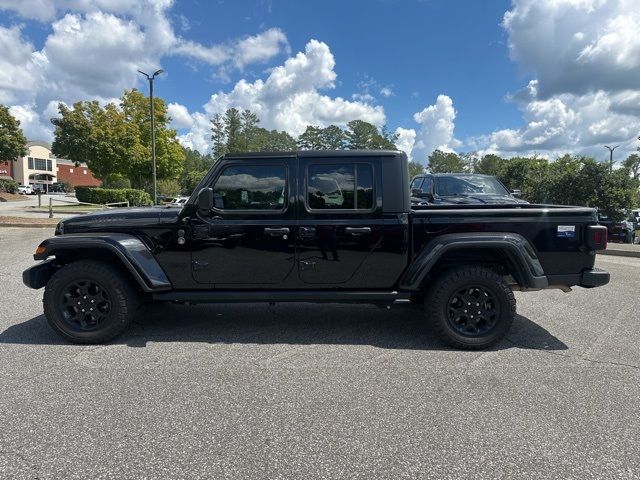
(512, 77)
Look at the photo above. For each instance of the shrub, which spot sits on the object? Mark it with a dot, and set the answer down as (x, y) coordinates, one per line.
(101, 196)
(168, 187)
(8, 185)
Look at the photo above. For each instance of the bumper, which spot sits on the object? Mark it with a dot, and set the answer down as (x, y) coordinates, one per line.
(38, 275)
(594, 277)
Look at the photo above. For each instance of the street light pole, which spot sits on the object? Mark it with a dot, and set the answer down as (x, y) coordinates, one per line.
(153, 132)
(611, 149)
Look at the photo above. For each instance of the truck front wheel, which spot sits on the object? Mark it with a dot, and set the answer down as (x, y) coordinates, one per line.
(471, 307)
(89, 302)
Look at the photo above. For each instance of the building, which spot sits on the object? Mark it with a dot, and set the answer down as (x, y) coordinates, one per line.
(41, 167)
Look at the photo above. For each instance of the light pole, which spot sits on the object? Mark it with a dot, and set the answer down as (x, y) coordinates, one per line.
(611, 149)
(153, 131)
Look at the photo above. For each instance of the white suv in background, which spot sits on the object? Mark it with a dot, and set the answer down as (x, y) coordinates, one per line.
(25, 189)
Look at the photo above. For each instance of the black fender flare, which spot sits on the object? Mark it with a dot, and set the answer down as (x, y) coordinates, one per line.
(134, 255)
(521, 255)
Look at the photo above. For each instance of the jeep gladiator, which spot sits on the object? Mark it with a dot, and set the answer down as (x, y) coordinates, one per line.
(314, 226)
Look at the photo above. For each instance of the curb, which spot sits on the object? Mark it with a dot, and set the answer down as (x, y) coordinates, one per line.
(28, 225)
(621, 253)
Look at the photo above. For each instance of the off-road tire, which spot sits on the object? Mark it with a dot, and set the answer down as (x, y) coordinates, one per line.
(445, 294)
(112, 288)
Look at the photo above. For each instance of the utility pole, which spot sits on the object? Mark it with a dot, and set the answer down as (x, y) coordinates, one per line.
(153, 132)
(611, 149)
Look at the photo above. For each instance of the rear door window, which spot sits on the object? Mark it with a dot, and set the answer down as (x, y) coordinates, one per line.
(347, 186)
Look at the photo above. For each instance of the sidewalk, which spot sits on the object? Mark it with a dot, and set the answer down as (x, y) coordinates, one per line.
(622, 250)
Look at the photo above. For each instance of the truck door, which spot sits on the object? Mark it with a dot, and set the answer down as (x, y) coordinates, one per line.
(248, 239)
(341, 226)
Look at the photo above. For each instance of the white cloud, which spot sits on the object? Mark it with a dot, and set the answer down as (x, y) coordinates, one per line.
(180, 117)
(95, 48)
(406, 140)
(198, 136)
(18, 72)
(437, 123)
(566, 123)
(576, 46)
(289, 98)
(239, 53)
(386, 92)
(31, 122)
(585, 59)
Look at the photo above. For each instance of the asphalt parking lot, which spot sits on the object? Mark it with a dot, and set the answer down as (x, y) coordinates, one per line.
(333, 391)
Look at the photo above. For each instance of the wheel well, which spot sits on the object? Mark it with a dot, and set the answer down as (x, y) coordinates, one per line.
(496, 259)
(64, 257)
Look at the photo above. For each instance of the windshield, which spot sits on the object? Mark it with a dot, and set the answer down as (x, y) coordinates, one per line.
(468, 185)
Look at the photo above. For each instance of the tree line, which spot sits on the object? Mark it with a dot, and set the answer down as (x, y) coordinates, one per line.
(115, 142)
(567, 180)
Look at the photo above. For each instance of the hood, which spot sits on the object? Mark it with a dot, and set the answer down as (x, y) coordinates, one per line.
(117, 219)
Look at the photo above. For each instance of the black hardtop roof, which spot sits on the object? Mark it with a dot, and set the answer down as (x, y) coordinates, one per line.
(316, 153)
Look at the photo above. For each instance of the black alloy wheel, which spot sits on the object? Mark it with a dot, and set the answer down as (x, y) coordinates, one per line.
(90, 301)
(470, 307)
(85, 305)
(473, 311)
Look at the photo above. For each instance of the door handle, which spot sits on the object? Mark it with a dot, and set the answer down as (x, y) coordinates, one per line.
(274, 232)
(358, 230)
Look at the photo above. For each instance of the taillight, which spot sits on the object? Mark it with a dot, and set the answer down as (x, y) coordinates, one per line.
(597, 237)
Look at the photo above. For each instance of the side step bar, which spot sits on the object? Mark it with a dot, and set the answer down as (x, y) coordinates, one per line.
(312, 296)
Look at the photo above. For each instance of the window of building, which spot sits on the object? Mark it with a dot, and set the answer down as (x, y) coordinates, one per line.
(49, 166)
(340, 187)
(251, 187)
(40, 163)
(30, 163)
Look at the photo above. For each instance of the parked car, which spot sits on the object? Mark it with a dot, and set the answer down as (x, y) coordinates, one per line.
(460, 189)
(255, 233)
(25, 189)
(620, 232)
(178, 201)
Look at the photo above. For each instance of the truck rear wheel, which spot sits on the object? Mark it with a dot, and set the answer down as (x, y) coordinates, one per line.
(89, 302)
(471, 307)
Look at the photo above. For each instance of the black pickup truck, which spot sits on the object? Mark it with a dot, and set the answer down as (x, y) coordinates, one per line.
(328, 226)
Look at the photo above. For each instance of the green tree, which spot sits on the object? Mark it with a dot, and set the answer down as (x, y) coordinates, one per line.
(273, 141)
(311, 138)
(489, 164)
(13, 144)
(249, 131)
(218, 135)
(99, 136)
(445, 162)
(233, 130)
(584, 181)
(363, 135)
(332, 138)
(529, 175)
(632, 164)
(169, 152)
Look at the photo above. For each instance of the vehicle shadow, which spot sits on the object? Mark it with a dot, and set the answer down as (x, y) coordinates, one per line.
(402, 327)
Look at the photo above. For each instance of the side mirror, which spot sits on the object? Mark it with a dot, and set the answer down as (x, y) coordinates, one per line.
(205, 199)
(416, 192)
(516, 193)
